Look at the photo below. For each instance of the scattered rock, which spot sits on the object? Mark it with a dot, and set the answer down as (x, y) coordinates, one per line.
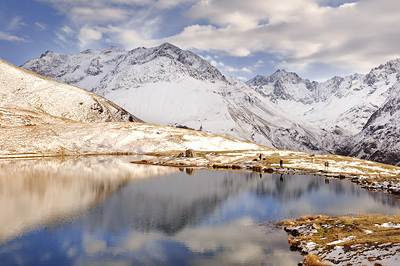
(269, 170)
(190, 153)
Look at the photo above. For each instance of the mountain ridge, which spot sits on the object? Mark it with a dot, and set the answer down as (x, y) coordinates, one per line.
(169, 86)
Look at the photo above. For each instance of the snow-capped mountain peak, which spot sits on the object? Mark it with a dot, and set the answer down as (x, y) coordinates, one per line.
(170, 86)
(112, 69)
(284, 86)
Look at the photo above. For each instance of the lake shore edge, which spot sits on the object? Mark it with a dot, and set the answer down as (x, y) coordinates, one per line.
(368, 253)
(369, 175)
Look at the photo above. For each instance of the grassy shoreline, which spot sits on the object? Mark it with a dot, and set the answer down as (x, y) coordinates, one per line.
(268, 161)
(347, 240)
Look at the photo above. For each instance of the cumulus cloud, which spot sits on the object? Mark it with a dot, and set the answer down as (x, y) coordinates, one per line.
(346, 34)
(98, 15)
(300, 32)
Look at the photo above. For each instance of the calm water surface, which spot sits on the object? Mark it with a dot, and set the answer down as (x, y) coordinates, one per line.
(106, 211)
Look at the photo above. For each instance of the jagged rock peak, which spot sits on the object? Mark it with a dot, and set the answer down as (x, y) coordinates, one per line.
(165, 62)
(391, 66)
(107, 50)
(143, 55)
(46, 53)
(279, 75)
(283, 74)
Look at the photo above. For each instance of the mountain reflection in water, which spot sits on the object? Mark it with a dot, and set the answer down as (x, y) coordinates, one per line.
(43, 191)
(104, 210)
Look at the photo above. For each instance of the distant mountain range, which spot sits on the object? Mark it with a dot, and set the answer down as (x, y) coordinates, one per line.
(354, 115)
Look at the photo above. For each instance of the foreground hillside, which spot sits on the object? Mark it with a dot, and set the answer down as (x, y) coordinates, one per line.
(29, 99)
(110, 138)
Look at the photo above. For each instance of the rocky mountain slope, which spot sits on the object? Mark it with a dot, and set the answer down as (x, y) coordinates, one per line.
(169, 86)
(43, 117)
(29, 99)
(379, 139)
(346, 102)
(361, 107)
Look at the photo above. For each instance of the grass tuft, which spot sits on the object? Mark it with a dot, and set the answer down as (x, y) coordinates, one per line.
(313, 260)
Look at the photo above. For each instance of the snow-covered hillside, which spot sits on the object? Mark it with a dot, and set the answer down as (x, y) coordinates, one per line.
(379, 139)
(169, 86)
(40, 116)
(360, 108)
(345, 102)
(29, 99)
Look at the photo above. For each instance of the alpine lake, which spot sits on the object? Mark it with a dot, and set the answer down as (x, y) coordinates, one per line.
(104, 210)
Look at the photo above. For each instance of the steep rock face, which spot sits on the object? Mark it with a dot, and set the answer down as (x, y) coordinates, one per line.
(101, 71)
(379, 139)
(341, 106)
(169, 86)
(286, 86)
(345, 102)
(29, 99)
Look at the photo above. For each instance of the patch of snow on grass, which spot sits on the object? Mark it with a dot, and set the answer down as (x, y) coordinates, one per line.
(387, 225)
(346, 239)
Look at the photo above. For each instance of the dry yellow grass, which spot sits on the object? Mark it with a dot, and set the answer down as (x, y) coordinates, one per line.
(364, 229)
(354, 234)
(270, 159)
(313, 260)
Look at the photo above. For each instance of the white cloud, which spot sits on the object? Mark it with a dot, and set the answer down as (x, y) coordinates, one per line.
(300, 32)
(346, 34)
(67, 30)
(224, 68)
(245, 69)
(41, 26)
(258, 64)
(244, 79)
(85, 15)
(15, 24)
(11, 38)
(88, 35)
(207, 57)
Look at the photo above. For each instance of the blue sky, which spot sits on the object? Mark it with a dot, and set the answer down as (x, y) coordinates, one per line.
(317, 39)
